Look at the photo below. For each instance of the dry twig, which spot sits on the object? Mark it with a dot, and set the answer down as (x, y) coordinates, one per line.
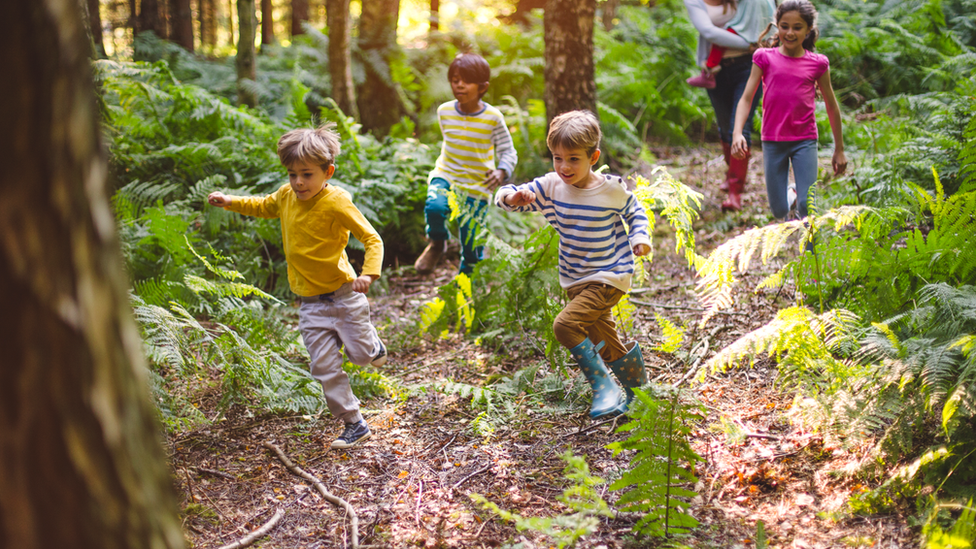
(253, 536)
(335, 500)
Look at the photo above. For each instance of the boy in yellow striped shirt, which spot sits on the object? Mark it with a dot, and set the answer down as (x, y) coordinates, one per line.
(316, 220)
(477, 156)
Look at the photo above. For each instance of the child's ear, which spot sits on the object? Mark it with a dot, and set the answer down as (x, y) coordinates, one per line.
(482, 88)
(594, 157)
(329, 172)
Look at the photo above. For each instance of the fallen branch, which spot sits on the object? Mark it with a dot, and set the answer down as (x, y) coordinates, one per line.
(214, 472)
(335, 500)
(465, 479)
(260, 532)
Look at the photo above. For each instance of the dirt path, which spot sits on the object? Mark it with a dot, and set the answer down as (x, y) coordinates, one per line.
(410, 483)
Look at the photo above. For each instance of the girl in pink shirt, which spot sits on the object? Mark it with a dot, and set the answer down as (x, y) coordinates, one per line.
(790, 72)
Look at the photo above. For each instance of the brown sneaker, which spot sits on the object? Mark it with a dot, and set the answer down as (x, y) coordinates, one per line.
(430, 257)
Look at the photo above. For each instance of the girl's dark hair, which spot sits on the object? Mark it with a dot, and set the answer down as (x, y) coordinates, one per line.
(807, 12)
(471, 67)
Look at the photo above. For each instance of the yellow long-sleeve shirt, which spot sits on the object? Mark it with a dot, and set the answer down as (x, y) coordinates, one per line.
(315, 233)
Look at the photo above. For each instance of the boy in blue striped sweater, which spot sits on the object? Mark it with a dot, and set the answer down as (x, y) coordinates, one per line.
(477, 156)
(601, 227)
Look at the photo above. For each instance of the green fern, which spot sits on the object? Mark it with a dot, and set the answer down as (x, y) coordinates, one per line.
(657, 483)
(581, 497)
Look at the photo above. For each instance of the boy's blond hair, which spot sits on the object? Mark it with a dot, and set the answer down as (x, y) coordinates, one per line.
(319, 146)
(575, 130)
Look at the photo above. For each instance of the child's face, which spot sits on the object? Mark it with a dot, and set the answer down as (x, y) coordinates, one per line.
(466, 93)
(792, 31)
(574, 166)
(308, 180)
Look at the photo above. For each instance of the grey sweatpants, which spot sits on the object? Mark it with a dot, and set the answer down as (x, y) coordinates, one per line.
(327, 326)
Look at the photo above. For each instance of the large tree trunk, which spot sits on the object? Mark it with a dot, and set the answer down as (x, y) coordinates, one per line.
(150, 18)
(95, 26)
(379, 103)
(609, 14)
(267, 22)
(207, 15)
(81, 464)
(570, 84)
(299, 15)
(134, 18)
(339, 24)
(246, 69)
(181, 22)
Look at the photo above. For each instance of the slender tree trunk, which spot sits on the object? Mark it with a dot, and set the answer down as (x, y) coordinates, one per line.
(213, 16)
(379, 103)
(95, 25)
(81, 464)
(609, 13)
(299, 15)
(339, 24)
(570, 83)
(230, 20)
(181, 23)
(206, 14)
(435, 15)
(267, 22)
(246, 69)
(134, 18)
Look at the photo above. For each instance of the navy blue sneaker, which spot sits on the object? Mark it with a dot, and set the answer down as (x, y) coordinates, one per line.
(353, 434)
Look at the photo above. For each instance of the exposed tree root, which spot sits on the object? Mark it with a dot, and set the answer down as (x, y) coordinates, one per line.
(335, 500)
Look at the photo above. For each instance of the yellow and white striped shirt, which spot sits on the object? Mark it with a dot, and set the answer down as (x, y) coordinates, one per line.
(473, 144)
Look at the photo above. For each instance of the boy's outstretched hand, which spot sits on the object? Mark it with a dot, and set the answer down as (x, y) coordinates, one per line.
(218, 199)
(520, 198)
(361, 284)
(641, 250)
(494, 178)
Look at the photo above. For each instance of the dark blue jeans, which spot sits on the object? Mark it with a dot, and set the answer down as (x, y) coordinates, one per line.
(437, 212)
(777, 158)
(730, 82)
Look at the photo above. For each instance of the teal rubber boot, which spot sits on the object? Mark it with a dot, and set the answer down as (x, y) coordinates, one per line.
(629, 370)
(608, 399)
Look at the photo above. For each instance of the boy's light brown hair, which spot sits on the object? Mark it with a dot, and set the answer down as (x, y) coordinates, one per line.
(312, 146)
(575, 130)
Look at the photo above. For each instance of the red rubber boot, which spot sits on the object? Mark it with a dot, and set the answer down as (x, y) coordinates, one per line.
(737, 183)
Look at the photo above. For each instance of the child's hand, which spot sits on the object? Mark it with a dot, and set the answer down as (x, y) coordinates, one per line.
(520, 198)
(839, 162)
(739, 146)
(641, 250)
(494, 178)
(361, 284)
(219, 199)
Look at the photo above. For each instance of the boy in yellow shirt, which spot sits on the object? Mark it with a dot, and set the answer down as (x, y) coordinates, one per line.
(316, 220)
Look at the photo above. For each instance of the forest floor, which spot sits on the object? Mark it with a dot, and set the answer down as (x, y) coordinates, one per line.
(409, 483)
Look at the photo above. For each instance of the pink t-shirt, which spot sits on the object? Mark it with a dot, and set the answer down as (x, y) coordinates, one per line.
(789, 93)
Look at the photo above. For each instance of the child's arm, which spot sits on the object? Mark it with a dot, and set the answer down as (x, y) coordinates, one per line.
(521, 198)
(220, 199)
(739, 145)
(506, 155)
(839, 160)
(255, 206)
(357, 224)
(637, 224)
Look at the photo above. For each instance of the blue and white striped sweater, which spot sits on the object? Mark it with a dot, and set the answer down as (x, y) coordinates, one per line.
(594, 242)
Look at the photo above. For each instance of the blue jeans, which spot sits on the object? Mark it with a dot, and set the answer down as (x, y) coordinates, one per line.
(730, 83)
(777, 157)
(437, 211)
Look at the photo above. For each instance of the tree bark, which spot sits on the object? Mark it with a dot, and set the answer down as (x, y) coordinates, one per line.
(246, 68)
(299, 15)
(609, 13)
(150, 18)
(379, 103)
(339, 24)
(570, 83)
(267, 22)
(181, 22)
(207, 15)
(95, 26)
(134, 18)
(81, 464)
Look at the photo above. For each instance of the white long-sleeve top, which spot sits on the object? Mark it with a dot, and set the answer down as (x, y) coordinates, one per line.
(598, 227)
(751, 18)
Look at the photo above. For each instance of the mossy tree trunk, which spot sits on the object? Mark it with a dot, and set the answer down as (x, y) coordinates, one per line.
(379, 102)
(246, 64)
(570, 82)
(81, 464)
(339, 24)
